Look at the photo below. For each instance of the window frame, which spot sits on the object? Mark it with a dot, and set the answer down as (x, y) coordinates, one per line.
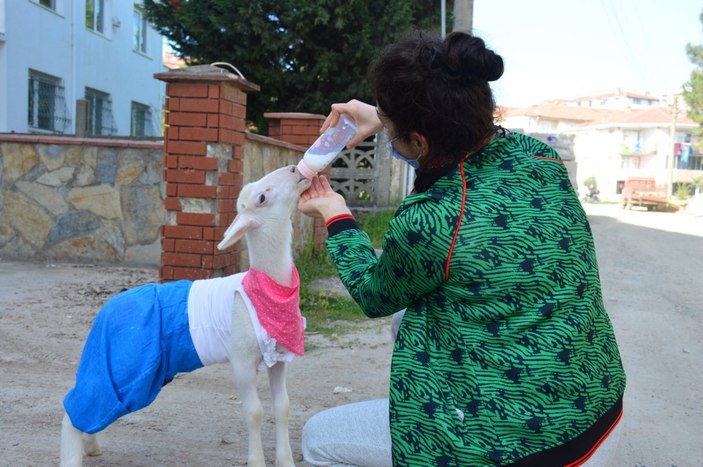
(97, 16)
(140, 121)
(140, 31)
(46, 92)
(50, 4)
(100, 119)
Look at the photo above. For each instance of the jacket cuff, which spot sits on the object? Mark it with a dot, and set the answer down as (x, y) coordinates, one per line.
(339, 223)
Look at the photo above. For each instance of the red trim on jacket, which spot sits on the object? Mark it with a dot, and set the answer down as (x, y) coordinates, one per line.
(339, 217)
(458, 223)
(595, 447)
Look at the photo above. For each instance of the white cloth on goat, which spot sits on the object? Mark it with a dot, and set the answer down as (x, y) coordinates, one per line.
(210, 305)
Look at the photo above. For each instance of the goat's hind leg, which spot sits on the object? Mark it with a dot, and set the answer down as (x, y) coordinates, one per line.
(74, 443)
(91, 446)
(71, 444)
(281, 404)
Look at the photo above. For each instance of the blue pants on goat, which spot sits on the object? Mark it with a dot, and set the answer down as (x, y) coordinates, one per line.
(139, 341)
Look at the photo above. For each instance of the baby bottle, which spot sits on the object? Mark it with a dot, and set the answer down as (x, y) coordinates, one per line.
(327, 146)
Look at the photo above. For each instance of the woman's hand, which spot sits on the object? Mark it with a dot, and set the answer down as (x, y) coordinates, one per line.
(364, 116)
(321, 201)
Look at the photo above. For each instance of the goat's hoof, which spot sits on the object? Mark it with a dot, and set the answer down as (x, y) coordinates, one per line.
(91, 447)
(285, 463)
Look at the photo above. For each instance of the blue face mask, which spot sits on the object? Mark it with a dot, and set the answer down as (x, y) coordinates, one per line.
(414, 163)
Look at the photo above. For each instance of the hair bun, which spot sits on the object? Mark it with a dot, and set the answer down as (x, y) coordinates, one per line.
(468, 56)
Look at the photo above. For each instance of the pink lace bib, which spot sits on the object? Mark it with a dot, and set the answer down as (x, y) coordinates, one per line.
(278, 308)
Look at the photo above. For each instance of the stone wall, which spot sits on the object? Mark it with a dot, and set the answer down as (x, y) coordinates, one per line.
(68, 199)
(81, 200)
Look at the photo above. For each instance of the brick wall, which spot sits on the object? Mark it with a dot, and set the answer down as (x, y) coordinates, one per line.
(203, 169)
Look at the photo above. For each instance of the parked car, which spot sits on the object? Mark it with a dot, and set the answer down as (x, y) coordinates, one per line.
(640, 191)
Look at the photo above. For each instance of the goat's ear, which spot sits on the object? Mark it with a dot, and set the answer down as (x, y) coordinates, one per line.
(241, 224)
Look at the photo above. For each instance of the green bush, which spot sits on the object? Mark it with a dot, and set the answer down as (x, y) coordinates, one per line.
(698, 183)
(682, 191)
(375, 224)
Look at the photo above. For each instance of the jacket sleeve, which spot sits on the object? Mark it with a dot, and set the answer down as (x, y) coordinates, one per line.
(410, 266)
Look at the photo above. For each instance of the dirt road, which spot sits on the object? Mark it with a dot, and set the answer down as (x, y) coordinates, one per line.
(653, 287)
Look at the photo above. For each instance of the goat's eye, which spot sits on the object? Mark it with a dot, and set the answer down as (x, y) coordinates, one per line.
(262, 198)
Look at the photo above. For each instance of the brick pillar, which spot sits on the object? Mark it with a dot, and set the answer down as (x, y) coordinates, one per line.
(203, 153)
(301, 129)
(296, 128)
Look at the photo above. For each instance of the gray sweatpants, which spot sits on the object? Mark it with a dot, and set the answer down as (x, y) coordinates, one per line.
(349, 435)
(359, 435)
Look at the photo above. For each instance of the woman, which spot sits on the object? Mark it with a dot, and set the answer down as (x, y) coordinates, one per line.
(505, 354)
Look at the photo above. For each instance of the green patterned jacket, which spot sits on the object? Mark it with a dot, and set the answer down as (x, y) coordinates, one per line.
(506, 351)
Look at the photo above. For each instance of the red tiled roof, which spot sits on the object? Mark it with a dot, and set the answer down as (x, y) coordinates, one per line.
(171, 61)
(650, 116)
(632, 95)
(550, 111)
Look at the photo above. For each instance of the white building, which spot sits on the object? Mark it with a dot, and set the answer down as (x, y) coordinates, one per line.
(55, 52)
(618, 136)
(615, 101)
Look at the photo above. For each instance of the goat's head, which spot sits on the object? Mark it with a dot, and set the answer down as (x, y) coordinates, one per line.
(268, 201)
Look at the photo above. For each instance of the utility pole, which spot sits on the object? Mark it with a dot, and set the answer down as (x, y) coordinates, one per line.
(672, 143)
(463, 15)
(443, 21)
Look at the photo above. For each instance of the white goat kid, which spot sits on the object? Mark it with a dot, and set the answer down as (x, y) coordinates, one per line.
(209, 321)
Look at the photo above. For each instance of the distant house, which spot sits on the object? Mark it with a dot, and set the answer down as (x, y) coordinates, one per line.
(615, 101)
(617, 136)
(56, 52)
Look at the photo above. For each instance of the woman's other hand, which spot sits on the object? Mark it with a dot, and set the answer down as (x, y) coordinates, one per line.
(321, 201)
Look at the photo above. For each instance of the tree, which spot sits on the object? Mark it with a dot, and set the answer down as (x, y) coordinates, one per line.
(693, 90)
(305, 55)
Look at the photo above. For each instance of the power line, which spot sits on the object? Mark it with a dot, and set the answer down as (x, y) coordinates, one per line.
(630, 55)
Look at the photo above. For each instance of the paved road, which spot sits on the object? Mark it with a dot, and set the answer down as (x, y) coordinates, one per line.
(652, 272)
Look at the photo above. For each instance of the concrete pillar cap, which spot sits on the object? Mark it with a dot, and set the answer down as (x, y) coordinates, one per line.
(207, 73)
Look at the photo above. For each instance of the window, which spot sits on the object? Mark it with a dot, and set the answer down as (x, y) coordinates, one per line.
(57, 6)
(2, 21)
(141, 120)
(100, 120)
(630, 162)
(631, 142)
(95, 15)
(47, 104)
(140, 30)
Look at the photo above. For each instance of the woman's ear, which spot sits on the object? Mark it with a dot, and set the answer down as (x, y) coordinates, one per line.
(419, 142)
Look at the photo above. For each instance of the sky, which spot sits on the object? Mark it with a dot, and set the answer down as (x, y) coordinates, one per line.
(562, 49)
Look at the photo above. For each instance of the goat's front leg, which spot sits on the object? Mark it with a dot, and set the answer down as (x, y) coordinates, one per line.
(277, 381)
(245, 379)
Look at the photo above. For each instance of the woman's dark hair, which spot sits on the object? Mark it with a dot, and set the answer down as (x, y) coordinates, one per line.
(438, 88)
